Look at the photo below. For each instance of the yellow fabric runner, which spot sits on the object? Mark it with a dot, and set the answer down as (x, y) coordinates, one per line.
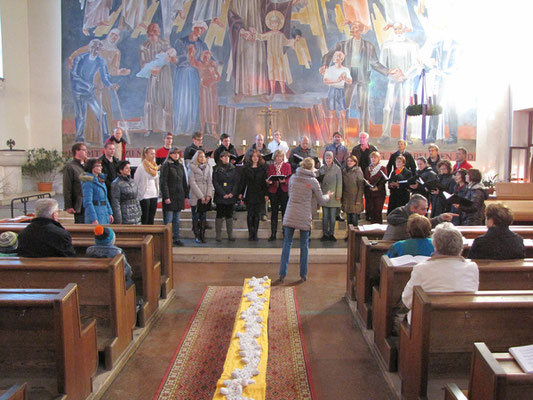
(256, 391)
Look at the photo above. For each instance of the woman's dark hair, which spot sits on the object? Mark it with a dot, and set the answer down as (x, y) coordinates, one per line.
(90, 163)
(421, 158)
(445, 162)
(261, 160)
(462, 172)
(474, 174)
(122, 164)
(500, 214)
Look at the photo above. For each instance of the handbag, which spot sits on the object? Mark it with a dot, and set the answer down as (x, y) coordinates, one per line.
(201, 207)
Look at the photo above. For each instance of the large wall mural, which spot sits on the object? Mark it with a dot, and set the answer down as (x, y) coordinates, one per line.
(246, 66)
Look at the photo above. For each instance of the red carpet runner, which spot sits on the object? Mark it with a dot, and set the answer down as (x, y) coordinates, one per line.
(199, 358)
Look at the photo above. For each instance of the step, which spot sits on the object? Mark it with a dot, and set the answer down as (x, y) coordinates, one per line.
(250, 255)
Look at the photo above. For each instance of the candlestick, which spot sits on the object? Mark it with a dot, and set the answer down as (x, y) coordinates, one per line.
(294, 142)
(244, 142)
(317, 143)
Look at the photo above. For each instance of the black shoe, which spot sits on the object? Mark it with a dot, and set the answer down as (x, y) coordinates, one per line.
(340, 219)
(272, 238)
(324, 238)
(177, 243)
(303, 278)
(332, 238)
(281, 278)
(346, 239)
(250, 238)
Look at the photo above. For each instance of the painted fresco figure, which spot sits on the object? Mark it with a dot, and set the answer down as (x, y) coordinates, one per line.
(207, 10)
(360, 58)
(357, 10)
(158, 101)
(277, 61)
(209, 76)
(169, 11)
(336, 77)
(401, 54)
(84, 68)
(96, 13)
(111, 54)
(443, 62)
(133, 13)
(187, 81)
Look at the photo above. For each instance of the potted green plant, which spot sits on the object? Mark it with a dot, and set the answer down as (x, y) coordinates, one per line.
(44, 165)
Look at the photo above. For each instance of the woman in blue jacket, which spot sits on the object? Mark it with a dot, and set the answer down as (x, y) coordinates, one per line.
(97, 207)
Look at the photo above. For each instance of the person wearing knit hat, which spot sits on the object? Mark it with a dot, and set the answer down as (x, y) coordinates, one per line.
(8, 244)
(104, 239)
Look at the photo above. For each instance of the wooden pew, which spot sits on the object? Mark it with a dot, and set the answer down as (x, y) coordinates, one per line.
(162, 237)
(45, 344)
(16, 392)
(367, 275)
(146, 275)
(102, 293)
(493, 376)
(355, 238)
(445, 326)
(493, 275)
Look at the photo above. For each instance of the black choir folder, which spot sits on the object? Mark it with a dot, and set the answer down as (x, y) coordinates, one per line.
(276, 177)
(523, 356)
(455, 199)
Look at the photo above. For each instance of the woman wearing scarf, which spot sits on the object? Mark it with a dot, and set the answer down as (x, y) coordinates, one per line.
(439, 205)
(460, 190)
(353, 187)
(330, 177)
(146, 179)
(226, 183)
(278, 190)
(174, 190)
(120, 143)
(399, 193)
(95, 202)
(201, 193)
(473, 214)
(375, 189)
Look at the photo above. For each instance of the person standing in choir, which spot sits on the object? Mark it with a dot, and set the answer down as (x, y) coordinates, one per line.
(147, 180)
(226, 184)
(375, 191)
(330, 177)
(200, 193)
(353, 187)
(95, 201)
(278, 190)
(126, 207)
(399, 193)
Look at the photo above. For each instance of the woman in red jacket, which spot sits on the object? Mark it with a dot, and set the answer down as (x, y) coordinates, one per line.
(375, 189)
(278, 189)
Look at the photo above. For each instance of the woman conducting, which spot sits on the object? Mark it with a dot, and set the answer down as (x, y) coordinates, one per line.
(303, 188)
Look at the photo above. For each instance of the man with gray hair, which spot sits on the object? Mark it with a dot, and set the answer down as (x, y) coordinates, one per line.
(445, 270)
(301, 152)
(44, 236)
(397, 219)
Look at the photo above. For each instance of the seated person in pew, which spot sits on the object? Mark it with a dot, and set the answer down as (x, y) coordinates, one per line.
(45, 236)
(397, 219)
(499, 243)
(420, 244)
(446, 270)
(105, 248)
(8, 244)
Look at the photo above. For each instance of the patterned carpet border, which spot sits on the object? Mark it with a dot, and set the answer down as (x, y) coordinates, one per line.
(198, 360)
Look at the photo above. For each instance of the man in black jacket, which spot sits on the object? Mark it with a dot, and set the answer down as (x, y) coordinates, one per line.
(44, 236)
(109, 166)
(225, 145)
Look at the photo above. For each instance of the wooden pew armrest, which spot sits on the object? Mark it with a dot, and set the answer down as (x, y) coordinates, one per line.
(452, 392)
(89, 347)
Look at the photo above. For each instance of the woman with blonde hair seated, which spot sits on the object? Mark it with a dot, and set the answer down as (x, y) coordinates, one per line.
(420, 244)
(499, 243)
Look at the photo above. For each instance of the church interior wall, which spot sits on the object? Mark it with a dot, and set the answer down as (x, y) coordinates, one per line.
(30, 98)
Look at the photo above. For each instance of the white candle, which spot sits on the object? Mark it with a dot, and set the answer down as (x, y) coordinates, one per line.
(244, 142)
(317, 143)
(294, 142)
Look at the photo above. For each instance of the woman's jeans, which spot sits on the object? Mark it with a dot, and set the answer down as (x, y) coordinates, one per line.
(352, 219)
(328, 220)
(174, 217)
(285, 253)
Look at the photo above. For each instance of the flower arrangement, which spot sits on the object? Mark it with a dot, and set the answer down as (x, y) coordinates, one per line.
(489, 181)
(43, 164)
